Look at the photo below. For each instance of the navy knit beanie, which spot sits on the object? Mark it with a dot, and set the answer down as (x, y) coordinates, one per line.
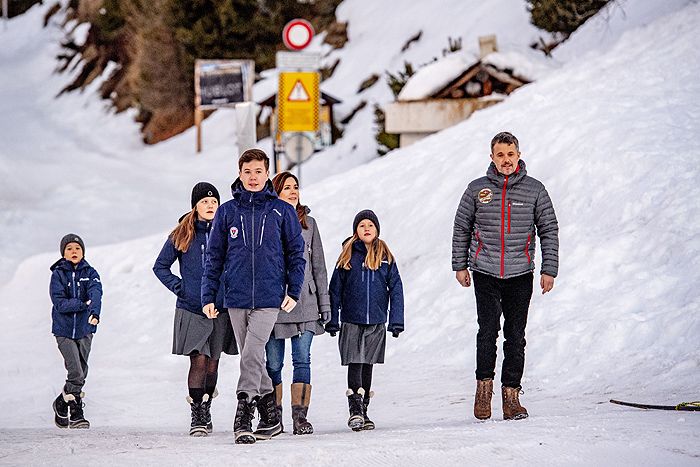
(203, 190)
(71, 238)
(366, 214)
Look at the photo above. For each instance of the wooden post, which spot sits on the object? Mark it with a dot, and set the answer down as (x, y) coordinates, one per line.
(198, 114)
(198, 117)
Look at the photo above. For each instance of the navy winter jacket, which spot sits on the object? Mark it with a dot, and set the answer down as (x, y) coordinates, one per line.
(188, 287)
(256, 243)
(362, 296)
(71, 287)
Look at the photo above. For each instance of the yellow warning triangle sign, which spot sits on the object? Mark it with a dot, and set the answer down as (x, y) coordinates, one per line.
(298, 93)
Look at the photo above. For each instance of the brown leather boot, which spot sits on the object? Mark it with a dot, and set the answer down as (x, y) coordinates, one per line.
(301, 397)
(512, 410)
(278, 402)
(482, 400)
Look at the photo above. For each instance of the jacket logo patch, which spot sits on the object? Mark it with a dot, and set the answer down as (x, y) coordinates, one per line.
(485, 196)
(234, 232)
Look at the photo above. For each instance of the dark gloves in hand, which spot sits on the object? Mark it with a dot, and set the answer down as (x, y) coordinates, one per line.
(395, 334)
(332, 328)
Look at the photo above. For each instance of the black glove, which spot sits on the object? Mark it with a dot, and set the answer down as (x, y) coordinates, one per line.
(395, 334)
(332, 329)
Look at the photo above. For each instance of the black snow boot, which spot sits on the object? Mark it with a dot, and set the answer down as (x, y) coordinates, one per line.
(207, 407)
(60, 409)
(269, 424)
(369, 424)
(355, 404)
(198, 426)
(243, 423)
(75, 406)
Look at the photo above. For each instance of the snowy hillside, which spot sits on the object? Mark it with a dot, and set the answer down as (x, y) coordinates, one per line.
(609, 131)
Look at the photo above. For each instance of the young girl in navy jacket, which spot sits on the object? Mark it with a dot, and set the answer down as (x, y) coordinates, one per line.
(365, 290)
(194, 335)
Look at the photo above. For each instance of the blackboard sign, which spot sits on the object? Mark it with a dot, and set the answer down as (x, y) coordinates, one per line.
(220, 83)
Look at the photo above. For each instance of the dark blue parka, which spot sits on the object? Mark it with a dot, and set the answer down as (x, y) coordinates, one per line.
(362, 296)
(188, 287)
(70, 288)
(256, 243)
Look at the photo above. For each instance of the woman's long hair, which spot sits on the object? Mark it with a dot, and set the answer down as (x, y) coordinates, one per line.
(278, 182)
(377, 251)
(184, 233)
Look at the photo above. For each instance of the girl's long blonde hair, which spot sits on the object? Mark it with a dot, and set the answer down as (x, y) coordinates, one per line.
(377, 251)
(184, 233)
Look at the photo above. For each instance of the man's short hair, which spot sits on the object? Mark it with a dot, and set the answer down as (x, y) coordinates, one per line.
(505, 137)
(253, 155)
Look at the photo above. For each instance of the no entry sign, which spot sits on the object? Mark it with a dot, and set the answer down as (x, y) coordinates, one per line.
(297, 34)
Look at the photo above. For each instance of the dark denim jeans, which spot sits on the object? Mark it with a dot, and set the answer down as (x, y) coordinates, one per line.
(301, 358)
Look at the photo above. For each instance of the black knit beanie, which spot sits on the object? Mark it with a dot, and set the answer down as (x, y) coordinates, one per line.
(203, 190)
(366, 214)
(71, 238)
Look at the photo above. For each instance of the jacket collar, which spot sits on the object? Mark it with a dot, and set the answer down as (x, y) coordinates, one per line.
(498, 178)
(244, 196)
(66, 265)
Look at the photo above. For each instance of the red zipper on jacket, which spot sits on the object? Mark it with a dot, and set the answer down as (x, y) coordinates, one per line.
(508, 216)
(478, 248)
(527, 248)
(503, 235)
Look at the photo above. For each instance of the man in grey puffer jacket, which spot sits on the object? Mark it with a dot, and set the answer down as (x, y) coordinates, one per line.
(494, 236)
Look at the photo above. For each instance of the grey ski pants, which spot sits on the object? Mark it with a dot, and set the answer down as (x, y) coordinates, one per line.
(75, 354)
(252, 328)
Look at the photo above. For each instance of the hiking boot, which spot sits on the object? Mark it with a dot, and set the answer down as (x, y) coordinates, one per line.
(60, 410)
(269, 424)
(482, 399)
(301, 397)
(357, 410)
(512, 410)
(75, 406)
(369, 424)
(243, 423)
(198, 426)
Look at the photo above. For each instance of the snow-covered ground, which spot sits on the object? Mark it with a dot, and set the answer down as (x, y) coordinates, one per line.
(609, 131)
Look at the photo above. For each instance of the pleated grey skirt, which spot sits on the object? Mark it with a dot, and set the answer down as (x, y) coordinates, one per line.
(362, 343)
(198, 334)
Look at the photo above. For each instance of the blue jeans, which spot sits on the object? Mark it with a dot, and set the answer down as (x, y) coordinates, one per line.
(301, 358)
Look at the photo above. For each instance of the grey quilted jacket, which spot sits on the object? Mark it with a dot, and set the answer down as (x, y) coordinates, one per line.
(314, 297)
(496, 222)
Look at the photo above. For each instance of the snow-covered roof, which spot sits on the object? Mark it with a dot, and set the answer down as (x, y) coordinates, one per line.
(435, 76)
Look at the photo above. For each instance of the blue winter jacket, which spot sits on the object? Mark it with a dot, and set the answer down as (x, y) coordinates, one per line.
(70, 288)
(187, 288)
(362, 296)
(256, 243)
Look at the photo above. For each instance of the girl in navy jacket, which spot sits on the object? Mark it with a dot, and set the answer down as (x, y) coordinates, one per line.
(196, 336)
(365, 292)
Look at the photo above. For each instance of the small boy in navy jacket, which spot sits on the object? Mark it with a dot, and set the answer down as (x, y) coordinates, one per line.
(76, 294)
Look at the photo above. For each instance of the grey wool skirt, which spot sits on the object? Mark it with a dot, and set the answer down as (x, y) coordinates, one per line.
(362, 343)
(198, 334)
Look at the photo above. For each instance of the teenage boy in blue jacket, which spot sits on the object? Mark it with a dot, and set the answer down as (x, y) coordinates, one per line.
(76, 294)
(256, 243)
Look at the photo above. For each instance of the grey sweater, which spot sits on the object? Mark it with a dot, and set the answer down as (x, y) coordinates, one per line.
(495, 226)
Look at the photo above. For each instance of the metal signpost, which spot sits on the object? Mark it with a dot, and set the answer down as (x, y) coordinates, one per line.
(220, 83)
(298, 96)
